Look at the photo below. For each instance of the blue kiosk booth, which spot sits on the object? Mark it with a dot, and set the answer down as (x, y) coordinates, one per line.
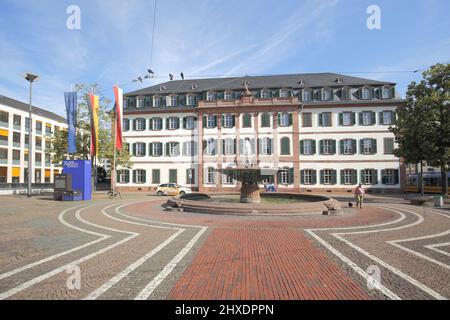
(75, 184)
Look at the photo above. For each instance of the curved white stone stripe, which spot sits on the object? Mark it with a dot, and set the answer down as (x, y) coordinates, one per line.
(58, 255)
(109, 284)
(434, 246)
(150, 288)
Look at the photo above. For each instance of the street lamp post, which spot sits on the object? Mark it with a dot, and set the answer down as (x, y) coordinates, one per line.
(30, 78)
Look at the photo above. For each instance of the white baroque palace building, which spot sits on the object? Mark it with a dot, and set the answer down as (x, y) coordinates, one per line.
(324, 132)
(14, 140)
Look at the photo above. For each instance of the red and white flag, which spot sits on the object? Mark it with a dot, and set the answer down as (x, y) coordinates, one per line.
(118, 94)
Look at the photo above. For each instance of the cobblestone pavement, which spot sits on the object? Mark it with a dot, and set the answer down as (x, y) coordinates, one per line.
(133, 249)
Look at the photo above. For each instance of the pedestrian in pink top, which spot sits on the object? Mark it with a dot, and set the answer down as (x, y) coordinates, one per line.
(359, 195)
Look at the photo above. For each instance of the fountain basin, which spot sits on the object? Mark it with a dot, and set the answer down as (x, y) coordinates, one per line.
(271, 204)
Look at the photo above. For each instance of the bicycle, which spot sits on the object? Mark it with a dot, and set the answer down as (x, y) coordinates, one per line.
(114, 194)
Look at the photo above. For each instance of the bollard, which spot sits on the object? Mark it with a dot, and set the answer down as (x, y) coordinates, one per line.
(438, 201)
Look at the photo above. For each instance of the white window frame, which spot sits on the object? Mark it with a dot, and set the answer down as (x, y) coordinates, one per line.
(122, 175)
(172, 123)
(155, 148)
(229, 147)
(156, 102)
(348, 174)
(228, 120)
(284, 119)
(284, 176)
(189, 151)
(140, 146)
(209, 96)
(365, 94)
(140, 102)
(173, 101)
(367, 118)
(367, 146)
(157, 124)
(327, 147)
(210, 147)
(325, 95)
(140, 124)
(190, 100)
(307, 176)
(390, 175)
(346, 118)
(210, 123)
(140, 174)
(385, 93)
(284, 93)
(387, 117)
(265, 150)
(210, 175)
(172, 148)
(228, 95)
(307, 147)
(327, 176)
(306, 95)
(190, 123)
(348, 146)
(264, 94)
(368, 176)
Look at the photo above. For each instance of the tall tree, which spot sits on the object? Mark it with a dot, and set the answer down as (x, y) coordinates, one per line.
(423, 126)
(58, 147)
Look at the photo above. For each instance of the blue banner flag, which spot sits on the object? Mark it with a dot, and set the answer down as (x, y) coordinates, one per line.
(71, 108)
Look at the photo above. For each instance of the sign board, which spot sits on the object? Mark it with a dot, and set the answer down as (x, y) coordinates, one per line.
(81, 173)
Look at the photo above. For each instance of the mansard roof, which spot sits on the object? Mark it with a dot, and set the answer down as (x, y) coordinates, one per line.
(296, 81)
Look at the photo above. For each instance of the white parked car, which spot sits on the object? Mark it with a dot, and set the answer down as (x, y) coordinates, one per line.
(171, 189)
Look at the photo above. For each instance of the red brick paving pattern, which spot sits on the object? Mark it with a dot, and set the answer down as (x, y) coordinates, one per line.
(263, 264)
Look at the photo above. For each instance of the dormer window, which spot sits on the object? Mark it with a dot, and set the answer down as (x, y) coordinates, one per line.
(325, 94)
(140, 102)
(209, 96)
(306, 95)
(190, 100)
(228, 95)
(264, 94)
(386, 93)
(156, 102)
(284, 93)
(365, 93)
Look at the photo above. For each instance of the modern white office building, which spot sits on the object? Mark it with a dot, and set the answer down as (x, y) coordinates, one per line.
(14, 140)
(325, 132)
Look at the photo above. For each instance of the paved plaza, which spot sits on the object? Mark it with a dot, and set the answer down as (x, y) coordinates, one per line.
(134, 249)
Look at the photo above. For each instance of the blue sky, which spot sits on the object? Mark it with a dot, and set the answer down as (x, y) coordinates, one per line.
(216, 37)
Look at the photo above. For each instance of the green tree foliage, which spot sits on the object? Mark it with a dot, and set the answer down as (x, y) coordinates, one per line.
(59, 144)
(423, 126)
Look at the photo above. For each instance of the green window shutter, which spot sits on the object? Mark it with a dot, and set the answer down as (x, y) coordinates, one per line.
(353, 118)
(388, 145)
(321, 147)
(313, 144)
(223, 120)
(204, 121)
(374, 146)
(361, 176)
(266, 120)
(393, 93)
(150, 150)
(360, 118)
(380, 118)
(383, 176)
(354, 142)
(134, 176)
(150, 124)
(341, 119)
(374, 118)
(333, 146)
(375, 176)
(167, 123)
(134, 149)
(333, 177)
(290, 119)
(322, 179)
(167, 149)
(285, 146)
(178, 123)
(396, 176)
(215, 121)
(279, 118)
(361, 146)
(223, 146)
(342, 177)
(341, 147)
(320, 119)
(234, 120)
(291, 175)
(313, 177)
(155, 176)
(354, 176)
(184, 122)
(302, 143)
(302, 176)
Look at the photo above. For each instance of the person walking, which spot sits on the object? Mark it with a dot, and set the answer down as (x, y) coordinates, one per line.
(359, 195)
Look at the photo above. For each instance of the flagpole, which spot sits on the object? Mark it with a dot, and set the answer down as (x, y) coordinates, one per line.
(114, 175)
